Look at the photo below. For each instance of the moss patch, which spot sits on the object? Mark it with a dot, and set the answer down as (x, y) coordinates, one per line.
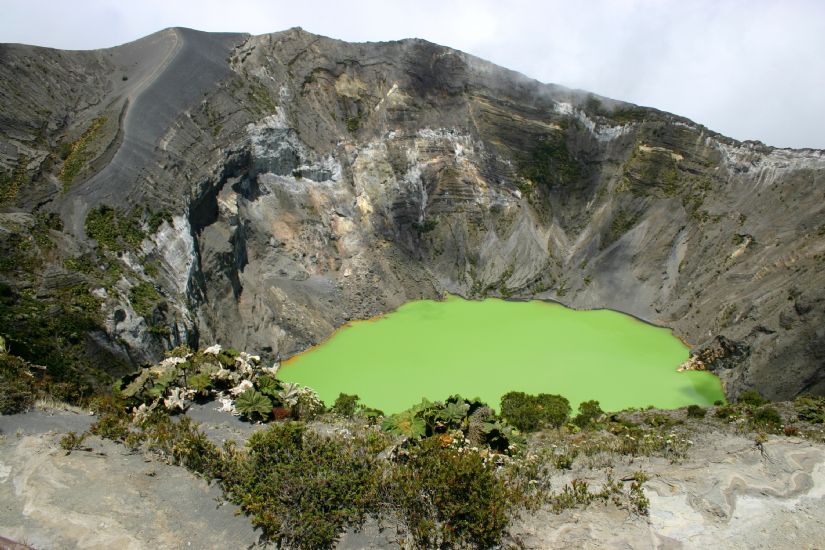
(550, 163)
(78, 155)
(10, 184)
(622, 222)
(144, 298)
(115, 231)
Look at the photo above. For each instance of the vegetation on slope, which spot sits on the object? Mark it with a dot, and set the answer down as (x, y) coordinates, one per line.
(550, 163)
(48, 325)
(10, 184)
(449, 474)
(75, 154)
(55, 317)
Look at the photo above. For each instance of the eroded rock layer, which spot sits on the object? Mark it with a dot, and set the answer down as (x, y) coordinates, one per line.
(298, 181)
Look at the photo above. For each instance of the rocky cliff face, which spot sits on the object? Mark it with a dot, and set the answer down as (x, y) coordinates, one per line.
(263, 190)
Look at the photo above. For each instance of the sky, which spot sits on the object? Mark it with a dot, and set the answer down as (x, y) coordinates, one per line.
(750, 69)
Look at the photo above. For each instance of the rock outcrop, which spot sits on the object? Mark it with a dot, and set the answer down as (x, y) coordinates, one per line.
(286, 183)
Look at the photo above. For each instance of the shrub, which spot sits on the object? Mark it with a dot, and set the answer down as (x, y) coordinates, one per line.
(477, 422)
(113, 230)
(268, 385)
(17, 384)
(589, 413)
(309, 404)
(661, 421)
(766, 416)
(639, 503)
(531, 412)
(180, 442)
(751, 397)
(450, 499)
(107, 404)
(810, 409)
(77, 156)
(112, 425)
(72, 441)
(407, 423)
(302, 489)
(144, 298)
(345, 405)
(695, 411)
(726, 412)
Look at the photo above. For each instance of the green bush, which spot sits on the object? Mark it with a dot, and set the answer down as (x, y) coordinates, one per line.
(144, 298)
(450, 499)
(473, 418)
(180, 442)
(766, 416)
(155, 220)
(658, 420)
(72, 441)
(346, 405)
(253, 404)
(302, 489)
(726, 412)
(810, 409)
(695, 411)
(112, 425)
(17, 384)
(52, 331)
(531, 412)
(589, 414)
(106, 404)
(751, 397)
(77, 156)
(113, 230)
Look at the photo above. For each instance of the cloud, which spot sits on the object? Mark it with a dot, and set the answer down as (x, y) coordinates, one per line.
(751, 69)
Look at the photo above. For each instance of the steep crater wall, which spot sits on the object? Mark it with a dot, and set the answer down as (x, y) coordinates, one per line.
(317, 181)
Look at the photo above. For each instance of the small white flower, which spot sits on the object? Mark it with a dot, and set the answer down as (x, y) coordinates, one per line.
(273, 370)
(241, 388)
(213, 350)
(175, 400)
(222, 374)
(254, 359)
(140, 413)
(227, 405)
(172, 361)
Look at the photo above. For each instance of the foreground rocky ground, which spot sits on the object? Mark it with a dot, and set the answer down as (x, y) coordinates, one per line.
(730, 489)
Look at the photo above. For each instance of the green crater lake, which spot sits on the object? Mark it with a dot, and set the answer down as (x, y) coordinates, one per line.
(486, 348)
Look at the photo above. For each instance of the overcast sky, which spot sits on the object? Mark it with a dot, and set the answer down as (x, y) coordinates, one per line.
(750, 69)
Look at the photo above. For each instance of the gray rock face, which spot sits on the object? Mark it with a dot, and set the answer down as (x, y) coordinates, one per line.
(311, 181)
(727, 495)
(108, 498)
